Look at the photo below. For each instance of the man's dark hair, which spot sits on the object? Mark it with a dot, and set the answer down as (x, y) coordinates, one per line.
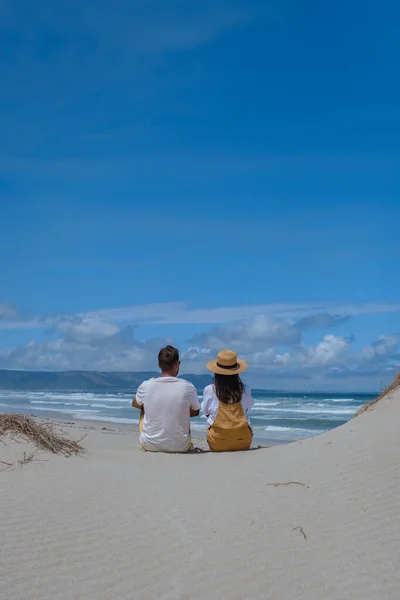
(167, 358)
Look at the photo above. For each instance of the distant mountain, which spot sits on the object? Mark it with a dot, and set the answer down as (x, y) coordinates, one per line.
(83, 380)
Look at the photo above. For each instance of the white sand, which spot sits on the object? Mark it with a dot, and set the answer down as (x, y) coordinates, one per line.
(123, 524)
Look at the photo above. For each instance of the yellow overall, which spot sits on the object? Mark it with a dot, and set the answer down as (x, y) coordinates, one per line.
(230, 430)
(141, 420)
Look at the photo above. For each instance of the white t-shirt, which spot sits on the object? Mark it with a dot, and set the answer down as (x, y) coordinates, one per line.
(210, 403)
(167, 402)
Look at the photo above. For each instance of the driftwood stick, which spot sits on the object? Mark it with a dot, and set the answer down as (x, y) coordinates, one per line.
(299, 527)
(30, 458)
(288, 483)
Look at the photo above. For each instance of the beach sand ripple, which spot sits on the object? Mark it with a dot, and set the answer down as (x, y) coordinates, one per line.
(121, 523)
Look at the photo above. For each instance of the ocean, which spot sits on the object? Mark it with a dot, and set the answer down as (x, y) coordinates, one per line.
(276, 417)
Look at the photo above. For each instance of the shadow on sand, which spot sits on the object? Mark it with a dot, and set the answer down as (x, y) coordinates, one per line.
(197, 450)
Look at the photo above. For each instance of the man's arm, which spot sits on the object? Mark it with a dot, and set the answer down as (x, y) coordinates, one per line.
(136, 405)
(138, 400)
(194, 413)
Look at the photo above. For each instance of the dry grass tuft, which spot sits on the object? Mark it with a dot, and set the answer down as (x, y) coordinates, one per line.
(394, 385)
(42, 435)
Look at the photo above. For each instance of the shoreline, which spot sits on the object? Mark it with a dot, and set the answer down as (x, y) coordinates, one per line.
(124, 428)
(274, 420)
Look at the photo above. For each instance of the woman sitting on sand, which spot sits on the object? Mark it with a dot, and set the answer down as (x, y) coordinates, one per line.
(225, 404)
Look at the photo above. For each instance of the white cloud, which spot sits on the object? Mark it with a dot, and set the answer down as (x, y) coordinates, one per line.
(332, 358)
(87, 329)
(250, 335)
(318, 314)
(274, 345)
(269, 358)
(118, 353)
(87, 342)
(194, 353)
(179, 312)
(382, 349)
(260, 331)
(272, 342)
(194, 359)
(329, 351)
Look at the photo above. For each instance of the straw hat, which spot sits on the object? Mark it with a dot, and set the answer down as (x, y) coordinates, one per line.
(227, 363)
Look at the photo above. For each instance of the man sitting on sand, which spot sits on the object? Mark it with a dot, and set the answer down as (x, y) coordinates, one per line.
(168, 403)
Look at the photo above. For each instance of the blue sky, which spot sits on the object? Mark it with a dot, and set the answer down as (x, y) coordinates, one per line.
(211, 174)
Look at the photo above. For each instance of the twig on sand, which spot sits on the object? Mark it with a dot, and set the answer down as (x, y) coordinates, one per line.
(21, 462)
(6, 467)
(299, 527)
(27, 459)
(288, 483)
(43, 435)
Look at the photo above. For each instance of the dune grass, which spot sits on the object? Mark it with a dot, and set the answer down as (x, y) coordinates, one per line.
(42, 435)
(394, 385)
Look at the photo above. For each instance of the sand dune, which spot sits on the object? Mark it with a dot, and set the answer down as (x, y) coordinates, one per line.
(120, 523)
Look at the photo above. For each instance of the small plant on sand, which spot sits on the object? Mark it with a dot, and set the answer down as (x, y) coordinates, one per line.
(393, 386)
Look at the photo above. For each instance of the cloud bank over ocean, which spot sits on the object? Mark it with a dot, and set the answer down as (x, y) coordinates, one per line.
(273, 338)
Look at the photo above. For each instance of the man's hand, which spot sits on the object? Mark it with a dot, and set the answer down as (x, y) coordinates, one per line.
(194, 413)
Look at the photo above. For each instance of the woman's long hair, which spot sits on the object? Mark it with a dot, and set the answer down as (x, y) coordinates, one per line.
(228, 388)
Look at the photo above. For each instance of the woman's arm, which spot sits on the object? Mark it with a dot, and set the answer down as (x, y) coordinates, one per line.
(247, 399)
